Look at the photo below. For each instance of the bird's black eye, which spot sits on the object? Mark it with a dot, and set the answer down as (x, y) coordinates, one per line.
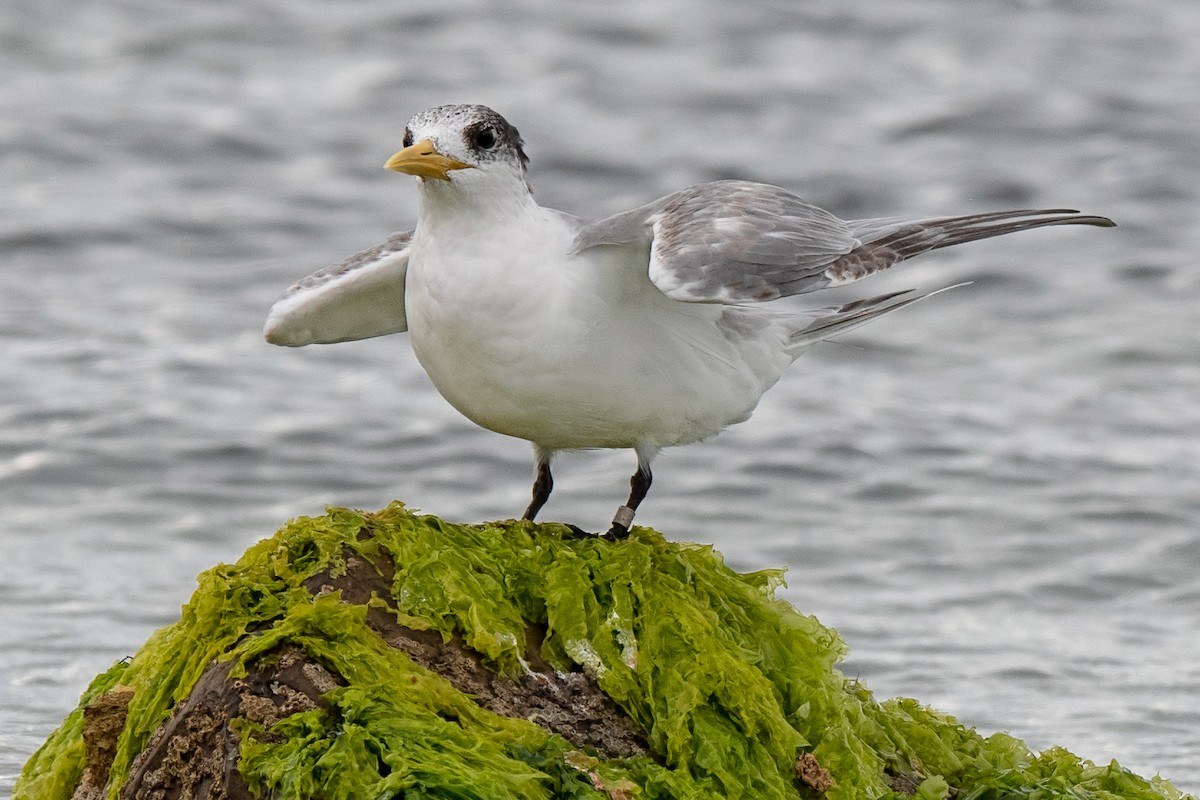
(484, 138)
(407, 142)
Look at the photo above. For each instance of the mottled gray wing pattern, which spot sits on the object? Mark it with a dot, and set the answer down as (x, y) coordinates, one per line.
(730, 241)
(359, 298)
(735, 241)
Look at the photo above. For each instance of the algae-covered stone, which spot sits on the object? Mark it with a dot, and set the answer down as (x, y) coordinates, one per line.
(393, 655)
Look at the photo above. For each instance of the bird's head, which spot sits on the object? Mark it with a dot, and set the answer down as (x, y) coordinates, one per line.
(462, 146)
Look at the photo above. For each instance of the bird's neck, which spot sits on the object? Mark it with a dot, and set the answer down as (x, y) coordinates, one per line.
(446, 206)
(492, 227)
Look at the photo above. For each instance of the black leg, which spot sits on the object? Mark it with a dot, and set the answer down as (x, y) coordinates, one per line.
(639, 485)
(543, 484)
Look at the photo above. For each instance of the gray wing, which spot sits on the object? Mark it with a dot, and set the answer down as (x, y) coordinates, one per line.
(736, 241)
(361, 297)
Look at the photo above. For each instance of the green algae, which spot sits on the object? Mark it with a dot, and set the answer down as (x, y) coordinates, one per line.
(729, 684)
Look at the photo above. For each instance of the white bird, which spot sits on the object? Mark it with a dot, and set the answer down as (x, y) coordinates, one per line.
(642, 330)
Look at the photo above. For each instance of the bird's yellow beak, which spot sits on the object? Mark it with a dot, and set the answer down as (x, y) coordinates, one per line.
(423, 160)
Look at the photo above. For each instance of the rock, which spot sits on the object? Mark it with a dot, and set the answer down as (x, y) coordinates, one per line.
(396, 655)
(103, 721)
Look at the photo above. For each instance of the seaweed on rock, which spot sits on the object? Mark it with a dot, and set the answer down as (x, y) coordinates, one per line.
(396, 655)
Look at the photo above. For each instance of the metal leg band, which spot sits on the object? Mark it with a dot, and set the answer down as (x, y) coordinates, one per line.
(624, 517)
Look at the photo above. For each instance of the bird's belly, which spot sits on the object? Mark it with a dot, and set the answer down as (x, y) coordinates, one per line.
(569, 381)
(502, 374)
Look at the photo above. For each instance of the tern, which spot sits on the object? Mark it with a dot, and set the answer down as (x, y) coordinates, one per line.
(642, 330)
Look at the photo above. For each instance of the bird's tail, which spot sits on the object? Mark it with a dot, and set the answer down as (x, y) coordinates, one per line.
(835, 321)
(903, 239)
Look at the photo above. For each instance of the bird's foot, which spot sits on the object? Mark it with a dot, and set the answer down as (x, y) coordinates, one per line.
(619, 530)
(616, 533)
(578, 533)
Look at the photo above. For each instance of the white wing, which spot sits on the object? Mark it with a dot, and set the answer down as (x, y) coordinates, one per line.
(736, 241)
(359, 298)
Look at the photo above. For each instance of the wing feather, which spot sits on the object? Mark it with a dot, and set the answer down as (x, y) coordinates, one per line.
(359, 298)
(737, 241)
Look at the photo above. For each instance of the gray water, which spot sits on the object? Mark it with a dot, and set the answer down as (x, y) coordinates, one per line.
(992, 495)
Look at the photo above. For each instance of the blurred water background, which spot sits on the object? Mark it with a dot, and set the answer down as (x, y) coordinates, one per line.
(992, 495)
